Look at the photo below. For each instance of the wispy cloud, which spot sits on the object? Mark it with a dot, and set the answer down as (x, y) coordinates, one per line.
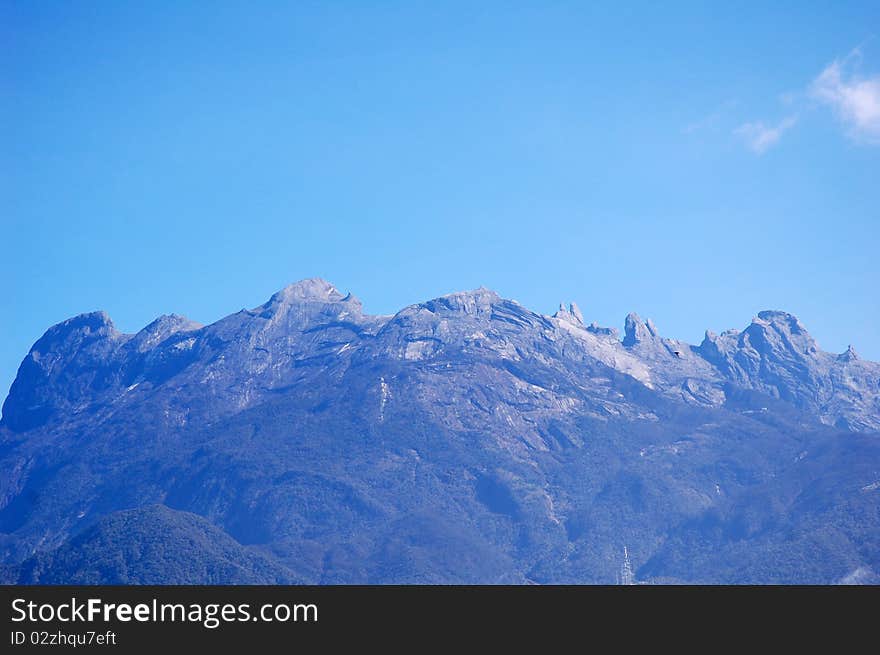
(760, 137)
(855, 99)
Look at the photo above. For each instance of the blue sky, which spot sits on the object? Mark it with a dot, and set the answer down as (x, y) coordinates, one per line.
(690, 162)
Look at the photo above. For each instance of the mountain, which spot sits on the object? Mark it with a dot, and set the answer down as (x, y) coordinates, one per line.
(152, 545)
(464, 439)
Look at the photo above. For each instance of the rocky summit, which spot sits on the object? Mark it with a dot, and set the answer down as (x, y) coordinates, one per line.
(466, 439)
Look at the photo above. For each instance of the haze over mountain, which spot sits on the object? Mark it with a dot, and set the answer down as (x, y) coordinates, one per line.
(463, 439)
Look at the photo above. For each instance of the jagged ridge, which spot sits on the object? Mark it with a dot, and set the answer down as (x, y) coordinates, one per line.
(464, 439)
(85, 357)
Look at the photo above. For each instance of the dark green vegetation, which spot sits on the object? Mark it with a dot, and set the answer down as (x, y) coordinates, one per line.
(463, 440)
(151, 545)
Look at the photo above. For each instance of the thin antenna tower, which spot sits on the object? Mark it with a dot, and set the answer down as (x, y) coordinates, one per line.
(626, 572)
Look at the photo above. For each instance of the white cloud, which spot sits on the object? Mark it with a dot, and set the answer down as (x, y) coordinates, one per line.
(855, 99)
(760, 137)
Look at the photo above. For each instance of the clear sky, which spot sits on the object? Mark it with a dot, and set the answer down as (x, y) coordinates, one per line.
(695, 163)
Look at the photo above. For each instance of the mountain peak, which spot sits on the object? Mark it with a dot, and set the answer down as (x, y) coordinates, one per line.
(780, 318)
(572, 314)
(475, 301)
(171, 321)
(306, 297)
(850, 355)
(784, 323)
(636, 330)
(88, 326)
(309, 290)
(62, 367)
(480, 293)
(91, 321)
(780, 331)
(161, 329)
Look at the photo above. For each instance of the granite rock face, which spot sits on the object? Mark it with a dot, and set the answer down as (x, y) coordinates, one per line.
(464, 439)
(776, 355)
